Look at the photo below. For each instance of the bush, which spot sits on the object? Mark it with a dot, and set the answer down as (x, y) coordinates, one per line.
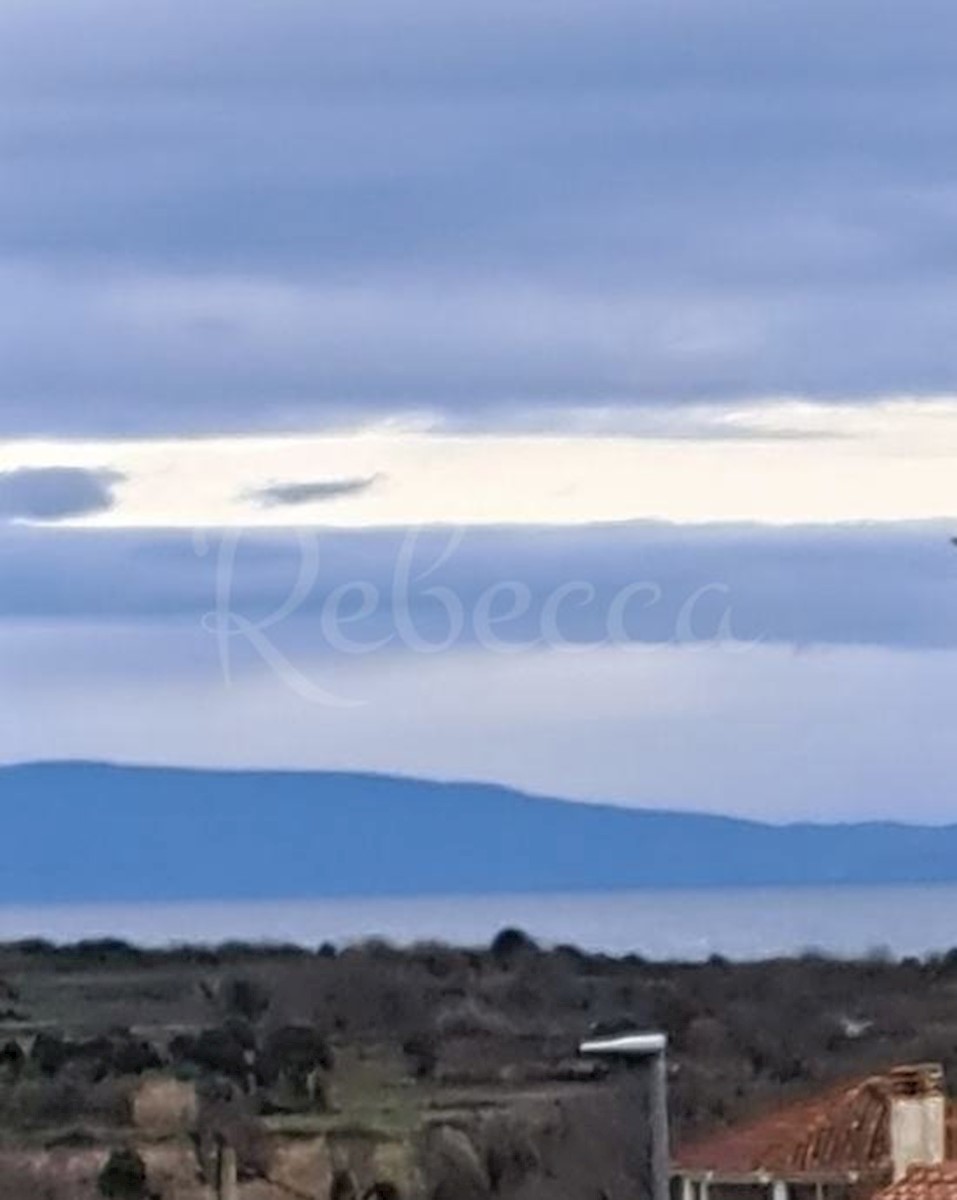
(123, 1177)
(422, 1052)
(49, 1053)
(294, 1057)
(296, 1048)
(132, 1056)
(217, 1051)
(12, 1061)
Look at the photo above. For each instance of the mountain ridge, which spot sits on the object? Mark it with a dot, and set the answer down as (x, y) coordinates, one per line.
(88, 831)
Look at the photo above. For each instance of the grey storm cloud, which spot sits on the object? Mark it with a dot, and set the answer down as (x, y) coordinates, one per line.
(286, 216)
(56, 493)
(293, 494)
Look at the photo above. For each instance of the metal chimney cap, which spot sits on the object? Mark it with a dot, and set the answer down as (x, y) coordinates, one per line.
(636, 1045)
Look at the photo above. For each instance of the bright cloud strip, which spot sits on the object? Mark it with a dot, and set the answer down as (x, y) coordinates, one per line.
(776, 464)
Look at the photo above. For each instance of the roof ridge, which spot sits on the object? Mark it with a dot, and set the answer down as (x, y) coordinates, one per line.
(840, 1127)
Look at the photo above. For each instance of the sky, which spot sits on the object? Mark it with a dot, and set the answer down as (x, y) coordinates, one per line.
(558, 394)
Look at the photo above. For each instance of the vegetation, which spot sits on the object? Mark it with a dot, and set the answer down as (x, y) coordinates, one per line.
(124, 1176)
(283, 1030)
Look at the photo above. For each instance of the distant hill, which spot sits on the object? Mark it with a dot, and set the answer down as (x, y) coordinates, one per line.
(77, 831)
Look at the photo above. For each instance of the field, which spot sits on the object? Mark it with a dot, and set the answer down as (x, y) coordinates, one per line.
(381, 1055)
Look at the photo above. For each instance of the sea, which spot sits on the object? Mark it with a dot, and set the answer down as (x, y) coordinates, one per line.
(687, 925)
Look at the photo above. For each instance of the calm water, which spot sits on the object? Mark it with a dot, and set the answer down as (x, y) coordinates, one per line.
(738, 923)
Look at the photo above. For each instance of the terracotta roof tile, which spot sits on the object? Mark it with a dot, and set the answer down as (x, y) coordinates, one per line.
(924, 1183)
(843, 1129)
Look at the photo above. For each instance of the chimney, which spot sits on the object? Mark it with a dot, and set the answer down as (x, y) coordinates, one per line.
(917, 1117)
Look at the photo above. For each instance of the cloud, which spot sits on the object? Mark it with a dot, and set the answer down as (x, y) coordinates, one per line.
(262, 218)
(857, 585)
(844, 734)
(56, 493)
(837, 706)
(311, 492)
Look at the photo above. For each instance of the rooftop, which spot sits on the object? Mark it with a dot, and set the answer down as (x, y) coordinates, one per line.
(841, 1131)
(924, 1183)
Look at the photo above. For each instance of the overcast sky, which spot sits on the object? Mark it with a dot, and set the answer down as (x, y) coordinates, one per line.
(644, 310)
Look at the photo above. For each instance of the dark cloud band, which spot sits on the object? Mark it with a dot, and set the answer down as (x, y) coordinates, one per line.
(481, 214)
(883, 585)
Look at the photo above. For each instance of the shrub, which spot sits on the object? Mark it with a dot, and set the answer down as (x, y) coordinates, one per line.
(293, 1057)
(297, 1048)
(422, 1052)
(49, 1053)
(123, 1177)
(12, 1060)
(133, 1056)
(218, 1051)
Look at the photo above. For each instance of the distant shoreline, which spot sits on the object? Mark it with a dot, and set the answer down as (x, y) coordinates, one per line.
(691, 925)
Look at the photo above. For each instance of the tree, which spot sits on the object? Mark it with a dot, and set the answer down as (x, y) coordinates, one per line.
(511, 944)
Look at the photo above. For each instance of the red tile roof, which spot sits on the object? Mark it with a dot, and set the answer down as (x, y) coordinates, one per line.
(842, 1130)
(924, 1183)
